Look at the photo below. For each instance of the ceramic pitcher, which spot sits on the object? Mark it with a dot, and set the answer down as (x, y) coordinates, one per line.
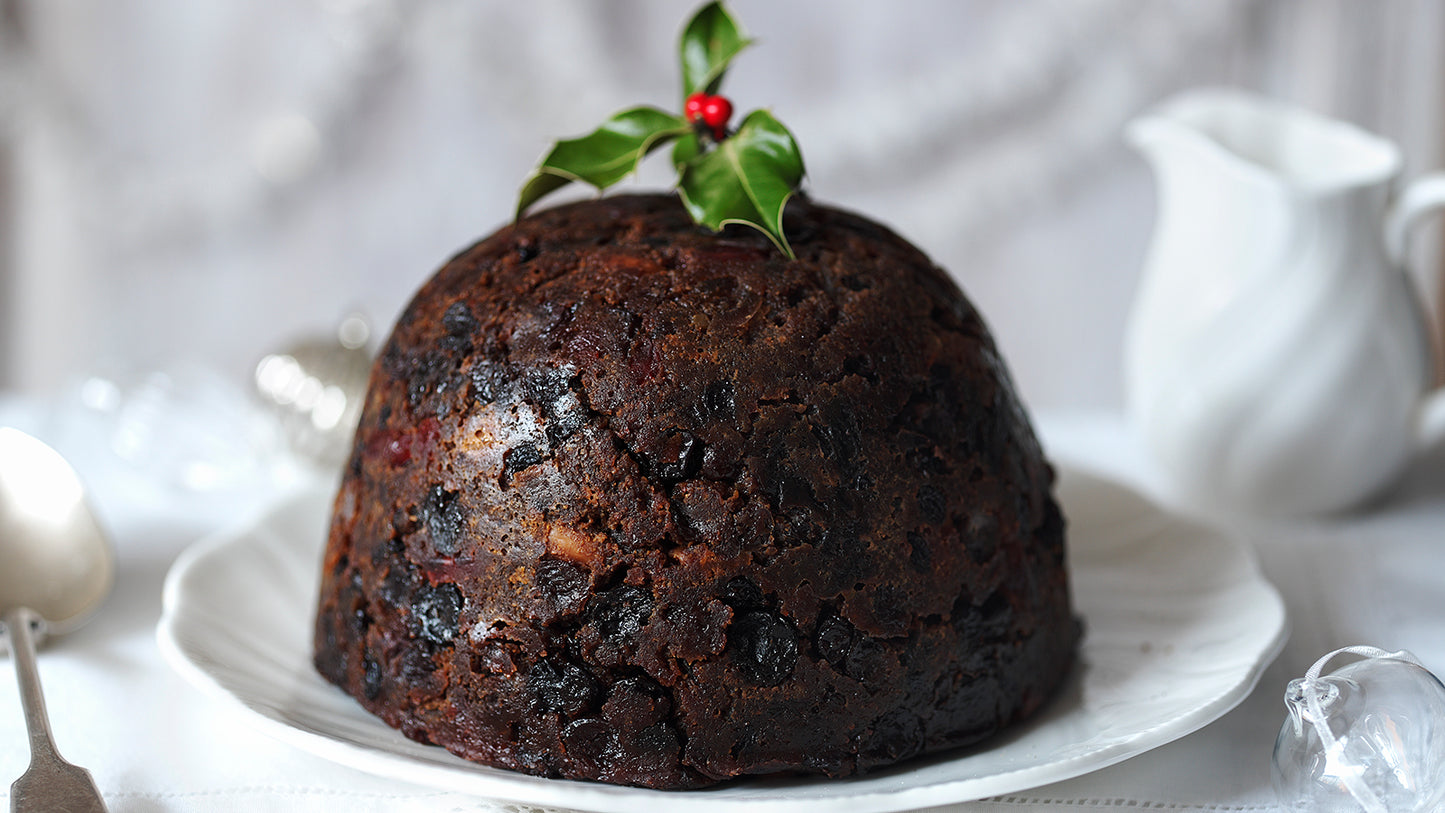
(1277, 359)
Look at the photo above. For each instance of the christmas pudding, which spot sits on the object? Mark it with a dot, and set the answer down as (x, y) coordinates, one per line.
(638, 501)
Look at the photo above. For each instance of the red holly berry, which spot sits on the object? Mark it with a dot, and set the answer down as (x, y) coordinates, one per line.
(712, 111)
(692, 108)
(716, 110)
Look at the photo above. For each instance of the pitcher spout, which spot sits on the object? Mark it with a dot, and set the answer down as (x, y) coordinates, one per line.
(1154, 134)
(1264, 139)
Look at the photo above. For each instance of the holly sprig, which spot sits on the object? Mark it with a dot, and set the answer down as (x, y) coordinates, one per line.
(725, 176)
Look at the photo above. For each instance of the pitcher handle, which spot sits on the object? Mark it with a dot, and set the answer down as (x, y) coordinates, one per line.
(1422, 196)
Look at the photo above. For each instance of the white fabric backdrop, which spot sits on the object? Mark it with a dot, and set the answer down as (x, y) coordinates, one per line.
(203, 180)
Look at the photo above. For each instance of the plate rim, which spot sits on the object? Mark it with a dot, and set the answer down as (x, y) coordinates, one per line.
(500, 784)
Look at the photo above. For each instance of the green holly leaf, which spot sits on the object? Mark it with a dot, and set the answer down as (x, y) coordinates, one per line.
(709, 42)
(744, 177)
(747, 178)
(604, 156)
(685, 150)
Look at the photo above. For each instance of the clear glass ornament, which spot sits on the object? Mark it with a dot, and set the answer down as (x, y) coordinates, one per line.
(1369, 736)
(316, 388)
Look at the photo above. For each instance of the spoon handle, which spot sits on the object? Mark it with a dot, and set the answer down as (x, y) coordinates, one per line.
(50, 783)
(22, 647)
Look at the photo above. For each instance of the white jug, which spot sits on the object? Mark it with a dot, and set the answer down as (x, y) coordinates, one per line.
(1277, 360)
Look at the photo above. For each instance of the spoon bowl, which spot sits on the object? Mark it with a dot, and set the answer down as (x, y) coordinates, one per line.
(58, 568)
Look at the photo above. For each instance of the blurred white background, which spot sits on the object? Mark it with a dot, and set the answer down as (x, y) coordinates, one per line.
(205, 180)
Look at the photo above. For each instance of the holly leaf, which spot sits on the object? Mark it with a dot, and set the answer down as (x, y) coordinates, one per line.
(747, 178)
(709, 42)
(604, 156)
(685, 150)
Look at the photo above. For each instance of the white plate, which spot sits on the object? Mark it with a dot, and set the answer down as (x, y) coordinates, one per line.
(1179, 624)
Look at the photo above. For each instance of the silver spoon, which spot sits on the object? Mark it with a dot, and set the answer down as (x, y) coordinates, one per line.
(57, 568)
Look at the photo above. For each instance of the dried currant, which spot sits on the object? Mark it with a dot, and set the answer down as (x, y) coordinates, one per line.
(445, 521)
(620, 613)
(519, 457)
(680, 456)
(437, 610)
(489, 382)
(564, 419)
(459, 325)
(835, 640)
(371, 677)
(764, 647)
(553, 391)
(742, 594)
(931, 505)
(866, 661)
(563, 688)
(545, 386)
(426, 373)
(720, 399)
(563, 587)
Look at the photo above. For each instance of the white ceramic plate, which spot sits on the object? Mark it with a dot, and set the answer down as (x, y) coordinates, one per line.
(1179, 626)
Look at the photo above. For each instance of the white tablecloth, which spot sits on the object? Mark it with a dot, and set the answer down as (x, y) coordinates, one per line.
(154, 743)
